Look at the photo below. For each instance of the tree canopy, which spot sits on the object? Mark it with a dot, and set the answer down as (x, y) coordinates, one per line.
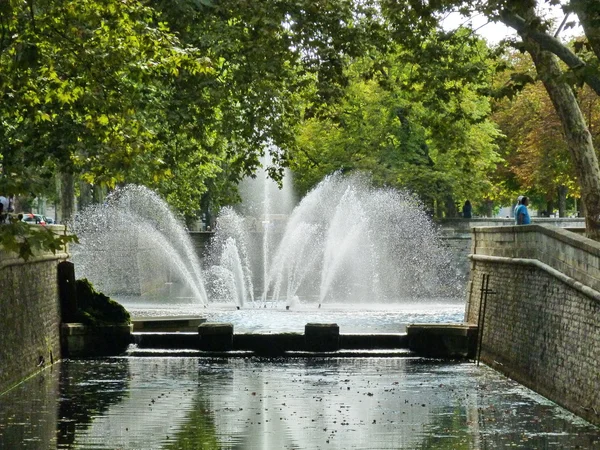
(412, 121)
(184, 96)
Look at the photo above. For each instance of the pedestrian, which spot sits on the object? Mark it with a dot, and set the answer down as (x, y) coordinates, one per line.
(521, 213)
(519, 198)
(467, 210)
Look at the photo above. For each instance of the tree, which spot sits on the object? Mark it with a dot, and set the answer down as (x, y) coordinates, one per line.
(411, 120)
(274, 61)
(533, 144)
(82, 84)
(545, 51)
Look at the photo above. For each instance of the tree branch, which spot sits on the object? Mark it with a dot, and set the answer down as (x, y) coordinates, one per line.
(553, 45)
(589, 16)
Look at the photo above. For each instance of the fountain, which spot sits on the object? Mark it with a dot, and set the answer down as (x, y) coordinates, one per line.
(346, 242)
(229, 273)
(133, 244)
(345, 247)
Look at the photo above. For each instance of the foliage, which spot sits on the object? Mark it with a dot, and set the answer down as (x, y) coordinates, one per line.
(29, 240)
(84, 86)
(413, 120)
(273, 61)
(95, 308)
(179, 96)
(534, 145)
(184, 96)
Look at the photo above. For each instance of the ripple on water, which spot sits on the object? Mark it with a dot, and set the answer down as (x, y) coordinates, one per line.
(253, 403)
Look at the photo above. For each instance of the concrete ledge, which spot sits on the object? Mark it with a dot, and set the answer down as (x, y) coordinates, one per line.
(370, 341)
(166, 340)
(167, 324)
(443, 340)
(390, 353)
(79, 340)
(269, 344)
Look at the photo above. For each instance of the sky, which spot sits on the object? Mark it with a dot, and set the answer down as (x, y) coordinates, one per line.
(495, 32)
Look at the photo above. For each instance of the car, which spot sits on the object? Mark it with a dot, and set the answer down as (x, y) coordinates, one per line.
(49, 220)
(36, 219)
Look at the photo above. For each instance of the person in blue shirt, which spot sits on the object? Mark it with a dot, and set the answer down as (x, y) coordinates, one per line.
(521, 213)
(519, 198)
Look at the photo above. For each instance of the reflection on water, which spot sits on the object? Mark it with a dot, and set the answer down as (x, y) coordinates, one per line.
(253, 403)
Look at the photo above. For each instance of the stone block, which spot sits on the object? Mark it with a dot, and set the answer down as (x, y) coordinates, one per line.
(216, 336)
(322, 337)
(443, 340)
(78, 340)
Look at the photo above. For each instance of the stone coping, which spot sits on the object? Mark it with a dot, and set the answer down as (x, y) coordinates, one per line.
(586, 290)
(168, 318)
(560, 234)
(77, 329)
(180, 323)
(8, 260)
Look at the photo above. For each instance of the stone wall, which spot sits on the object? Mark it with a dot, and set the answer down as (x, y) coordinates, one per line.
(29, 316)
(455, 234)
(542, 317)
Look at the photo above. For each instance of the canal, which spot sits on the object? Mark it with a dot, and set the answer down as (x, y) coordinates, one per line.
(291, 403)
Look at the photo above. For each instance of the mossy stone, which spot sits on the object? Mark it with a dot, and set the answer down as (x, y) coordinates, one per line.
(96, 308)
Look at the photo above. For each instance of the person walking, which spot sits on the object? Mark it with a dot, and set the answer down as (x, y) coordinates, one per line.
(521, 212)
(467, 209)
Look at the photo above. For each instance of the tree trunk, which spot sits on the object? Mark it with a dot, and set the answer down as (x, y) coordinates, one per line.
(562, 201)
(439, 209)
(545, 41)
(549, 207)
(85, 195)
(67, 197)
(98, 194)
(578, 137)
(451, 210)
(489, 208)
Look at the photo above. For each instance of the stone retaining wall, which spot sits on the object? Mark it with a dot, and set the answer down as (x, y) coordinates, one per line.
(455, 234)
(29, 316)
(542, 316)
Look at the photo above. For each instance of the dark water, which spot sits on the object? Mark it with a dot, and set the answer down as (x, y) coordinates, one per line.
(321, 403)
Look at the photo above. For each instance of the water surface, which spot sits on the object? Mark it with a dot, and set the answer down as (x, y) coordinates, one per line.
(275, 318)
(254, 403)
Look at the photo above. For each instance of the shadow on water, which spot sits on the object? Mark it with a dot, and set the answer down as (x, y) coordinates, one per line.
(339, 403)
(88, 390)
